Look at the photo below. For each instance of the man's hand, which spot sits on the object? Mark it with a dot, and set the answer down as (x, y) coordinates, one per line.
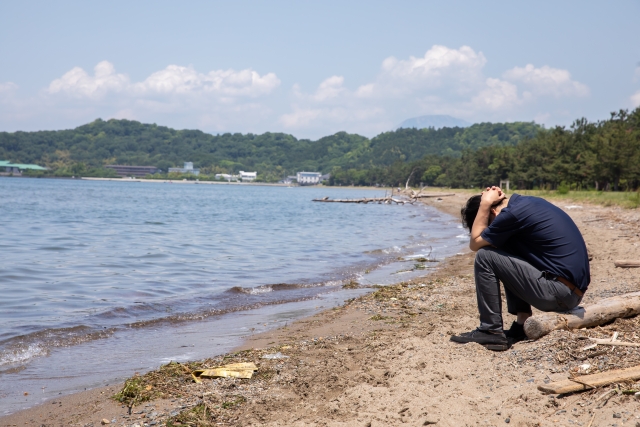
(490, 197)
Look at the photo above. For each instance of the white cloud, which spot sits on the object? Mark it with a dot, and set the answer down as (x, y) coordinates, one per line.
(185, 80)
(455, 69)
(547, 81)
(79, 84)
(173, 80)
(8, 87)
(334, 119)
(329, 89)
(442, 81)
(497, 94)
(176, 95)
(635, 99)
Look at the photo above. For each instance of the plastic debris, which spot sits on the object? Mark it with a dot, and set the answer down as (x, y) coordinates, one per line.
(232, 370)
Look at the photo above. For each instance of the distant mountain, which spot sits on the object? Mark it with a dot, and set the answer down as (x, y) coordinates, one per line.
(434, 121)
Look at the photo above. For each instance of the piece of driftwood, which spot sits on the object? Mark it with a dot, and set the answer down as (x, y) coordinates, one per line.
(385, 200)
(625, 263)
(588, 382)
(420, 196)
(365, 200)
(604, 311)
(614, 343)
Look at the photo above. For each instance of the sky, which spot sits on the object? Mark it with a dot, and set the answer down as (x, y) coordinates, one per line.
(313, 68)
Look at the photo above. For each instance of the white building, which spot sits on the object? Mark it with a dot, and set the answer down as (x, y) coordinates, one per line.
(308, 178)
(227, 177)
(248, 176)
(188, 168)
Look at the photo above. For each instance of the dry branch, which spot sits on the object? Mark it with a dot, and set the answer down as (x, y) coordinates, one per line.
(598, 341)
(582, 317)
(625, 263)
(587, 382)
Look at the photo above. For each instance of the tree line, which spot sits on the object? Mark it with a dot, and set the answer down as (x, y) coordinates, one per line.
(84, 151)
(588, 155)
(602, 155)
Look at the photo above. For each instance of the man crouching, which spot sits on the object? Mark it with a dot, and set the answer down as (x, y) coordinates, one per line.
(536, 251)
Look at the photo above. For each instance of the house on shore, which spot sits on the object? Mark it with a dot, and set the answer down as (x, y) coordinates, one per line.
(188, 168)
(16, 169)
(242, 176)
(134, 171)
(248, 176)
(308, 178)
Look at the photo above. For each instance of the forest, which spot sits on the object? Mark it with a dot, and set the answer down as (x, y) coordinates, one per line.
(85, 150)
(602, 155)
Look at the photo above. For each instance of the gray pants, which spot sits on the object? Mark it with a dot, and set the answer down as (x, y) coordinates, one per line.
(524, 286)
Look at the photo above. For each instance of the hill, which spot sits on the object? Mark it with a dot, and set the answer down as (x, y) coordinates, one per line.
(273, 155)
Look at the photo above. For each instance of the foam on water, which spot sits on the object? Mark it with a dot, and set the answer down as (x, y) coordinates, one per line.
(22, 355)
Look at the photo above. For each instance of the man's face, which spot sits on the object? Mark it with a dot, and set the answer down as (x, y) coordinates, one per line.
(495, 211)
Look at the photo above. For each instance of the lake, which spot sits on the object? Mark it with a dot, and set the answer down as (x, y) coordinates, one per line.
(125, 276)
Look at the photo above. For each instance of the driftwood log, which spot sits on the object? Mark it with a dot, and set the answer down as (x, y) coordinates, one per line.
(602, 312)
(588, 382)
(419, 196)
(625, 263)
(386, 200)
(365, 200)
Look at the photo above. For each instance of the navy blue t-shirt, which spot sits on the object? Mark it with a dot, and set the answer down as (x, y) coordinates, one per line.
(544, 235)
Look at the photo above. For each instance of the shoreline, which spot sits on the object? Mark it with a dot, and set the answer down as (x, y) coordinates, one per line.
(369, 359)
(185, 181)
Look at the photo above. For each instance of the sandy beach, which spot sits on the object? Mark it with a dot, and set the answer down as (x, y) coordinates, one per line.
(385, 359)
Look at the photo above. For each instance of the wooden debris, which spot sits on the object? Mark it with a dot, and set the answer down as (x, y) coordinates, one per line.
(626, 305)
(620, 343)
(386, 200)
(587, 382)
(420, 196)
(624, 263)
(613, 341)
(365, 200)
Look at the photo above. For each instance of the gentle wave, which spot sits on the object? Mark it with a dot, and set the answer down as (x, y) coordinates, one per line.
(21, 354)
(21, 349)
(98, 257)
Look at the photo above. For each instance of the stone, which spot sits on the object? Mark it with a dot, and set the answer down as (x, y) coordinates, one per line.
(430, 421)
(105, 421)
(507, 420)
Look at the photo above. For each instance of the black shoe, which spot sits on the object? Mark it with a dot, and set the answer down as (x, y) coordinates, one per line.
(492, 341)
(516, 333)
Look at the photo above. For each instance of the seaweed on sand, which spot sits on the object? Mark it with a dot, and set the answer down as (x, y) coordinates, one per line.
(166, 381)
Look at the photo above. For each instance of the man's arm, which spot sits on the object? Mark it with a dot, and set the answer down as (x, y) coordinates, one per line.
(490, 197)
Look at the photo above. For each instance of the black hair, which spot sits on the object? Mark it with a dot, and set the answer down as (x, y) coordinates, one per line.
(470, 211)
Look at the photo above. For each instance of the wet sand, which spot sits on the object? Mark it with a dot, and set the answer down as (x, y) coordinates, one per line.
(385, 358)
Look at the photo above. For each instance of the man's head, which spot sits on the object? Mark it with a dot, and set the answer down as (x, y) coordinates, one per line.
(470, 210)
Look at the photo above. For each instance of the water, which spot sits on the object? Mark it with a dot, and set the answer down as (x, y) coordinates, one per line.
(126, 275)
